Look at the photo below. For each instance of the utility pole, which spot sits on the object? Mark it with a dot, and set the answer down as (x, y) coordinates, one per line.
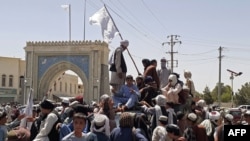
(232, 79)
(173, 41)
(219, 83)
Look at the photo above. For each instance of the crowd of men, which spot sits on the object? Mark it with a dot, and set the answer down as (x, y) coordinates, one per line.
(155, 106)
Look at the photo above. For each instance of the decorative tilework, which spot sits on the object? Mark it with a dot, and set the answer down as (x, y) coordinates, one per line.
(44, 62)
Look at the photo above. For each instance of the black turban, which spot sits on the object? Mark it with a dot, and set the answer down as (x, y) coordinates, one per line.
(45, 104)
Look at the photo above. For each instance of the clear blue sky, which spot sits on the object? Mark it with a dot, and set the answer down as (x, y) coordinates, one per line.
(204, 26)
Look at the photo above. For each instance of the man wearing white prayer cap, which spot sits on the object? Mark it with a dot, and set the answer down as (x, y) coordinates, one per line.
(118, 67)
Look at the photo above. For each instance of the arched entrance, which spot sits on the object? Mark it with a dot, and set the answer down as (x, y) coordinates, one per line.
(89, 60)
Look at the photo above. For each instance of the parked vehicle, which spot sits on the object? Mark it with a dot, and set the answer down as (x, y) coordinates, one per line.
(245, 107)
(236, 113)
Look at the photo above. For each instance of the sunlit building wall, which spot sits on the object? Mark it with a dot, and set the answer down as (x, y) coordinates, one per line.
(12, 75)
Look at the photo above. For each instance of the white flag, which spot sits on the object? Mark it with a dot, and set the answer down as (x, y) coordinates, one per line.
(65, 7)
(28, 111)
(103, 19)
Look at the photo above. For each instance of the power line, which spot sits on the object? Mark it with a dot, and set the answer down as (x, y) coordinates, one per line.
(154, 15)
(136, 29)
(200, 59)
(201, 53)
(172, 42)
(141, 24)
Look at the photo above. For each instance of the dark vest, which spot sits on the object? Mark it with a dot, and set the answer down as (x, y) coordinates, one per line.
(154, 121)
(123, 64)
(53, 134)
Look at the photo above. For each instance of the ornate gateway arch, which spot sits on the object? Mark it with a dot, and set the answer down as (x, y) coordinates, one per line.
(89, 60)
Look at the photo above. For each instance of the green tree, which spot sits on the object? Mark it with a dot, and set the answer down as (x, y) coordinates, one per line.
(198, 95)
(207, 96)
(243, 95)
(214, 92)
(225, 93)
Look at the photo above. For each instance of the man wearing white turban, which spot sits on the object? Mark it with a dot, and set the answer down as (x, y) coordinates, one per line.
(118, 67)
(172, 90)
(156, 111)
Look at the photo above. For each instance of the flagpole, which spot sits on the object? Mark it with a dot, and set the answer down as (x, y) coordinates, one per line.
(122, 39)
(69, 22)
(84, 20)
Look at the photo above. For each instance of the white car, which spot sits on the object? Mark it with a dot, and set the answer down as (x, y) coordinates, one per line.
(244, 107)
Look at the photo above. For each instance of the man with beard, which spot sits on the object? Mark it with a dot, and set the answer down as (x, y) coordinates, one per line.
(118, 66)
(149, 91)
(49, 118)
(151, 71)
(163, 73)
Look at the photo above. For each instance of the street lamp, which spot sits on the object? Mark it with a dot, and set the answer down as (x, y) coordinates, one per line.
(232, 78)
